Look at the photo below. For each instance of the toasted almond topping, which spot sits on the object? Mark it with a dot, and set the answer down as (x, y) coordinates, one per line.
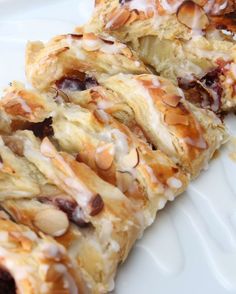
(53, 274)
(131, 160)
(104, 156)
(52, 222)
(142, 15)
(150, 12)
(172, 118)
(171, 100)
(132, 18)
(192, 15)
(127, 52)
(118, 18)
(124, 180)
(96, 204)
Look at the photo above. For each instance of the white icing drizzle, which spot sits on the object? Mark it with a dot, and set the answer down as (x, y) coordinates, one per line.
(112, 48)
(70, 284)
(151, 173)
(174, 183)
(3, 236)
(142, 5)
(233, 69)
(200, 143)
(23, 104)
(171, 8)
(103, 104)
(162, 203)
(119, 139)
(30, 235)
(51, 250)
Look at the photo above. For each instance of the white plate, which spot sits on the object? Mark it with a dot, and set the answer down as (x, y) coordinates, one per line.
(191, 248)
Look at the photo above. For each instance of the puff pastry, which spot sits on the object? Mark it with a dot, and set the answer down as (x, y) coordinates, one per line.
(100, 144)
(158, 112)
(113, 222)
(111, 150)
(66, 55)
(32, 264)
(191, 42)
(147, 177)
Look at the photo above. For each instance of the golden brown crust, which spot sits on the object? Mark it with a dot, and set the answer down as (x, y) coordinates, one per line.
(189, 133)
(102, 205)
(35, 262)
(66, 55)
(123, 18)
(181, 40)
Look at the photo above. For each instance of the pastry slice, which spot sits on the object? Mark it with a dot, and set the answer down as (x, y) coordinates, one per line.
(191, 42)
(67, 55)
(31, 263)
(147, 177)
(60, 217)
(157, 111)
(177, 19)
(115, 222)
(18, 177)
(188, 134)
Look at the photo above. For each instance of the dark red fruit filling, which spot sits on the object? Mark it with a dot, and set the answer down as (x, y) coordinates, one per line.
(207, 92)
(42, 129)
(76, 84)
(7, 283)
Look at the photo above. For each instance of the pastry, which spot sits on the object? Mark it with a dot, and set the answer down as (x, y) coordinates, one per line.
(31, 263)
(191, 42)
(68, 55)
(100, 144)
(157, 112)
(111, 222)
(147, 177)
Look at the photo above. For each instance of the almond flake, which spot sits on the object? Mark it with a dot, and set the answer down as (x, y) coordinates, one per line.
(124, 180)
(118, 18)
(172, 118)
(131, 160)
(192, 15)
(171, 99)
(104, 156)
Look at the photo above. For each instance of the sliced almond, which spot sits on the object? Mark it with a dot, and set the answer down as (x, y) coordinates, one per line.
(118, 18)
(150, 12)
(124, 180)
(52, 222)
(133, 17)
(91, 42)
(131, 160)
(192, 15)
(102, 116)
(172, 118)
(171, 100)
(104, 156)
(142, 15)
(127, 52)
(53, 274)
(96, 205)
